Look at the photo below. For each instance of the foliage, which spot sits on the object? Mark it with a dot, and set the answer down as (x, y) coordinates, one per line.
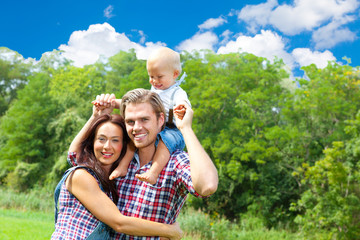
(13, 77)
(332, 201)
(23, 128)
(36, 199)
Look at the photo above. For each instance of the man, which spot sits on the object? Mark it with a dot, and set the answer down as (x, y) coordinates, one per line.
(191, 172)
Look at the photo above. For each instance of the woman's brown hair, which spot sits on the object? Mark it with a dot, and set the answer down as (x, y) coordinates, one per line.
(87, 157)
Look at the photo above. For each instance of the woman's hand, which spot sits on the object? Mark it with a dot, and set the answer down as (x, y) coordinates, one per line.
(178, 233)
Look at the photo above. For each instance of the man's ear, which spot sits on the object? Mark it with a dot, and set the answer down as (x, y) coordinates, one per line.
(161, 120)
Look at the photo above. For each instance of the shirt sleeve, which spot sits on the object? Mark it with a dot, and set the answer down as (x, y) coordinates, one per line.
(180, 96)
(184, 174)
(71, 159)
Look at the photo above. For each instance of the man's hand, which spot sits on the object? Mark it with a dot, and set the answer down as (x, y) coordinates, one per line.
(183, 115)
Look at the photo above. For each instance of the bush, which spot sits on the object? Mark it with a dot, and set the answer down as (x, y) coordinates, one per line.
(24, 176)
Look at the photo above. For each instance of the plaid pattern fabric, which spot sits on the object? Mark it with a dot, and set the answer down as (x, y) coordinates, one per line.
(74, 220)
(160, 202)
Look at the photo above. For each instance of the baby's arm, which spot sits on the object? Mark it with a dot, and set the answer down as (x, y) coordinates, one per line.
(160, 160)
(122, 168)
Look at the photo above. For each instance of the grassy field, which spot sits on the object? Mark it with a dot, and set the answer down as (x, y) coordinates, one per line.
(29, 216)
(25, 225)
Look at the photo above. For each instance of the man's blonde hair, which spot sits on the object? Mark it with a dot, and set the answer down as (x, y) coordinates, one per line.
(140, 95)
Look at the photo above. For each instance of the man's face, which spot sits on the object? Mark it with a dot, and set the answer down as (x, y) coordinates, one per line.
(142, 125)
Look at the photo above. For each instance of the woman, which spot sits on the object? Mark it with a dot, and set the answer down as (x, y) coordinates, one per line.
(86, 193)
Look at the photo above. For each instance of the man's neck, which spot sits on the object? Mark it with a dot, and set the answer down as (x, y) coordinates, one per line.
(146, 154)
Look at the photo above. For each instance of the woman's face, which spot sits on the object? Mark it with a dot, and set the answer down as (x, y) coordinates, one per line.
(108, 143)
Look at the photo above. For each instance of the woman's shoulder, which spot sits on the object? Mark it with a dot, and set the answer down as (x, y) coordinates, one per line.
(82, 178)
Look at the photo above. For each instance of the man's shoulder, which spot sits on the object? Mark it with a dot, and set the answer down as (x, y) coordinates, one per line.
(179, 157)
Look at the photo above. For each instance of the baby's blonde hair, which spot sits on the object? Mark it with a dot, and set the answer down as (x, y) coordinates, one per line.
(167, 55)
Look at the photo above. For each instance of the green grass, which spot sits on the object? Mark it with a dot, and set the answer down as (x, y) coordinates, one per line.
(25, 216)
(25, 225)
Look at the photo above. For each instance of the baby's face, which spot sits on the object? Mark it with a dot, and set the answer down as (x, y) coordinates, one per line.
(161, 76)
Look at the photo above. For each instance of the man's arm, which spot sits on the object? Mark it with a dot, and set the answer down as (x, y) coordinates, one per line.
(203, 172)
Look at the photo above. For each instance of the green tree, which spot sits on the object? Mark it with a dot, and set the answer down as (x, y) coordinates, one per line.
(237, 99)
(125, 72)
(23, 131)
(13, 76)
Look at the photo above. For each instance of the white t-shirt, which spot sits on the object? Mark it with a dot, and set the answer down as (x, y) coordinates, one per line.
(179, 96)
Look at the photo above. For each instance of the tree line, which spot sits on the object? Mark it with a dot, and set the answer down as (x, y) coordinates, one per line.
(286, 151)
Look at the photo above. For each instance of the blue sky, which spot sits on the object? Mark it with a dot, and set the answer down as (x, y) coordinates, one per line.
(300, 32)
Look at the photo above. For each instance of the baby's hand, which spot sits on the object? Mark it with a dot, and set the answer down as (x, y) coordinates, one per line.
(180, 111)
(103, 104)
(183, 115)
(104, 100)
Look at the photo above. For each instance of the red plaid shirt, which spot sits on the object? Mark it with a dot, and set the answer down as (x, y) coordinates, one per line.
(160, 202)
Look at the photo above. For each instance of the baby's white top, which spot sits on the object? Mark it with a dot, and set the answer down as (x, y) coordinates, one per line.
(179, 95)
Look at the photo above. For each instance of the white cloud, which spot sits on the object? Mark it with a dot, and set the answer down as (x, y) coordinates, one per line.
(199, 41)
(266, 44)
(226, 36)
(257, 15)
(305, 57)
(306, 15)
(333, 33)
(86, 47)
(108, 12)
(212, 23)
(303, 15)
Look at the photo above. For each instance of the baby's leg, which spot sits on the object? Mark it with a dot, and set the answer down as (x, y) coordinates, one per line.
(121, 169)
(161, 157)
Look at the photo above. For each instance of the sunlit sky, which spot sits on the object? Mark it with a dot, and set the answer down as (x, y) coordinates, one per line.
(300, 32)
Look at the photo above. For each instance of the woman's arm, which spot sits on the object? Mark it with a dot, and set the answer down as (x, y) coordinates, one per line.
(105, 108)
(85, 188)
